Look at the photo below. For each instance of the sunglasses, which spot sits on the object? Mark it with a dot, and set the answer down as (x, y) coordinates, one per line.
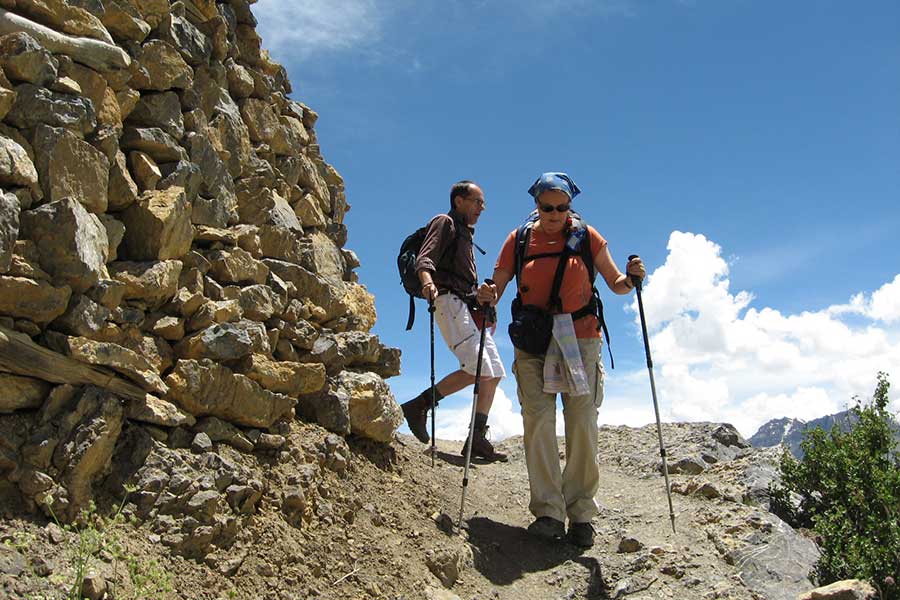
(549, 208)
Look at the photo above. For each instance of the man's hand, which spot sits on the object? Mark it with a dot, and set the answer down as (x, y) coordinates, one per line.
(487, 294)
(430, 291)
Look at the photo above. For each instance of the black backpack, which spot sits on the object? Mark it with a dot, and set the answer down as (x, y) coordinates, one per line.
(406, 265)
(576, 241)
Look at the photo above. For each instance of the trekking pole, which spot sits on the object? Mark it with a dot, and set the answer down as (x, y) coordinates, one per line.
(662, 449)
(462, 503)
(433, 400)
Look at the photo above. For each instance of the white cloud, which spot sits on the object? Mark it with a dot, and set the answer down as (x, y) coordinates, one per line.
(504, 420)
(300, 29)
(882, 305)
(716, 358)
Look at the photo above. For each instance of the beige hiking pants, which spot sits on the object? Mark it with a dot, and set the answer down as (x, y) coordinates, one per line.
(568, 492)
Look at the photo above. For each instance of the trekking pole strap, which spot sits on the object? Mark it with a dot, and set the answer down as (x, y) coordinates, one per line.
(412, 313)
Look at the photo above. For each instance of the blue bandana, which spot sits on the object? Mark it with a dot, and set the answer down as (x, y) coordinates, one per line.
(554, 181)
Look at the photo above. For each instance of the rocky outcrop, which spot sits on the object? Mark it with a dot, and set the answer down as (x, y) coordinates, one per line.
(171, 247)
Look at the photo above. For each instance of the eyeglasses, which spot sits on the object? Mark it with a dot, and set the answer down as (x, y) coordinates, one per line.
(549, 208)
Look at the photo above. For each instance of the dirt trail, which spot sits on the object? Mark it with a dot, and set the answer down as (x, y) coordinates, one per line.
(509, 564)
(366, 527)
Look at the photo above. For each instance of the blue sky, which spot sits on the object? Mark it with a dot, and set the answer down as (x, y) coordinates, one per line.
(748, 150)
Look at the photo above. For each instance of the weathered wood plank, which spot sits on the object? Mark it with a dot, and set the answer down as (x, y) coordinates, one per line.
(20, 355)
(93, 53)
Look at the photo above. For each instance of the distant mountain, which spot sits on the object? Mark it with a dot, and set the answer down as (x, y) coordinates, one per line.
(790, 431)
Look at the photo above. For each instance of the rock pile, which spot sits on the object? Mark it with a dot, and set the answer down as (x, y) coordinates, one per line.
(172, 265)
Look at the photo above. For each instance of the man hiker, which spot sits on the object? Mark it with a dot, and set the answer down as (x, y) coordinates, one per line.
(554, 274)
(446, 269)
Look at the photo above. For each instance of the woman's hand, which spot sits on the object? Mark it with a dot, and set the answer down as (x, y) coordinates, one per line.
(487, 294)
(635, 268)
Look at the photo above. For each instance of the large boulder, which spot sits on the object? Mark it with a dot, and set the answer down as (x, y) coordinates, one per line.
(327, 258)
(161, 110)
(373, 411)
(72, 242)
(17, 393)
(124, 21)
(160, 67)
(195, 48)
(158, 226)
(84, 317)
(150, 283)
(261, 205)
(35, 105)
(327, 294)
(122, 190)
(16, 167)
(66, 17)
(37, 301)
(204, 388)
(106, 354)
(71, 168)
(229, 136)
(218, 203)
(312, 180)
(220, 342)
(157, 411)
(236, 266)
(330, 408)
(95, 87)
(154, 142)
(24, 59)
(283, 377)
(258, 302)
(86, 434)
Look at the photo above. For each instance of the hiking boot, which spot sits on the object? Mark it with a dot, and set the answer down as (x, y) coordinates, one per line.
(547, 528)
(482, 448)
(581, 534)
(416, 413)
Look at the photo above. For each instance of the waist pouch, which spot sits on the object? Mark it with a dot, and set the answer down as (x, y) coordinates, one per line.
(531, 328)
(481, 317)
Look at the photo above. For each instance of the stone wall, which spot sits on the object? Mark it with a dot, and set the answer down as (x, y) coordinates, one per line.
(171, 246)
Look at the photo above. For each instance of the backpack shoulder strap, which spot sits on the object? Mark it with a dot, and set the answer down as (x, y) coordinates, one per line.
(583, 240)
(523, 237)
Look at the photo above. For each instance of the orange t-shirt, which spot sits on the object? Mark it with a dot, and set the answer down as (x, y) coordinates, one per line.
(537, 275)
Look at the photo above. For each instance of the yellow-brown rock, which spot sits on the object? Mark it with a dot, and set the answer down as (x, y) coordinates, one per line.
(157, 226)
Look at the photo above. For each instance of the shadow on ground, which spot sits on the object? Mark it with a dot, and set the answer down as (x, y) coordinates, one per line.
(457, 460)
(505, 553)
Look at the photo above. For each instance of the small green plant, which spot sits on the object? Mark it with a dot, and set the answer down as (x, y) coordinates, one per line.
(847, 489)
(21, 541)
(97, 535)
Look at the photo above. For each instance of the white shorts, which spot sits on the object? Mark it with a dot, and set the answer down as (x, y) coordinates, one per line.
(463, 337)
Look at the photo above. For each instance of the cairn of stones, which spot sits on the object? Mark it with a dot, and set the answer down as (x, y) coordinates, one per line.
(172, 263)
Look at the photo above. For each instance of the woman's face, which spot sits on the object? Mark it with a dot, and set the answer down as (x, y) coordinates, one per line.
(548, 205)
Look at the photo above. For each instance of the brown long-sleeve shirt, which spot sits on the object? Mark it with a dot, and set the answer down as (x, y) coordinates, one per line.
(451, 270)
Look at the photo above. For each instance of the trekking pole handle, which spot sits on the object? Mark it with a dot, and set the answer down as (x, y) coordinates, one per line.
(486, 305)
(638, 284)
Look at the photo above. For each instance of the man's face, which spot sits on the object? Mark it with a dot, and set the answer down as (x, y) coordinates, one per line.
(472, 205)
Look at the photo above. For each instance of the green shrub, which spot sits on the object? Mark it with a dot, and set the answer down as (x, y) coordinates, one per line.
(847, 489)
